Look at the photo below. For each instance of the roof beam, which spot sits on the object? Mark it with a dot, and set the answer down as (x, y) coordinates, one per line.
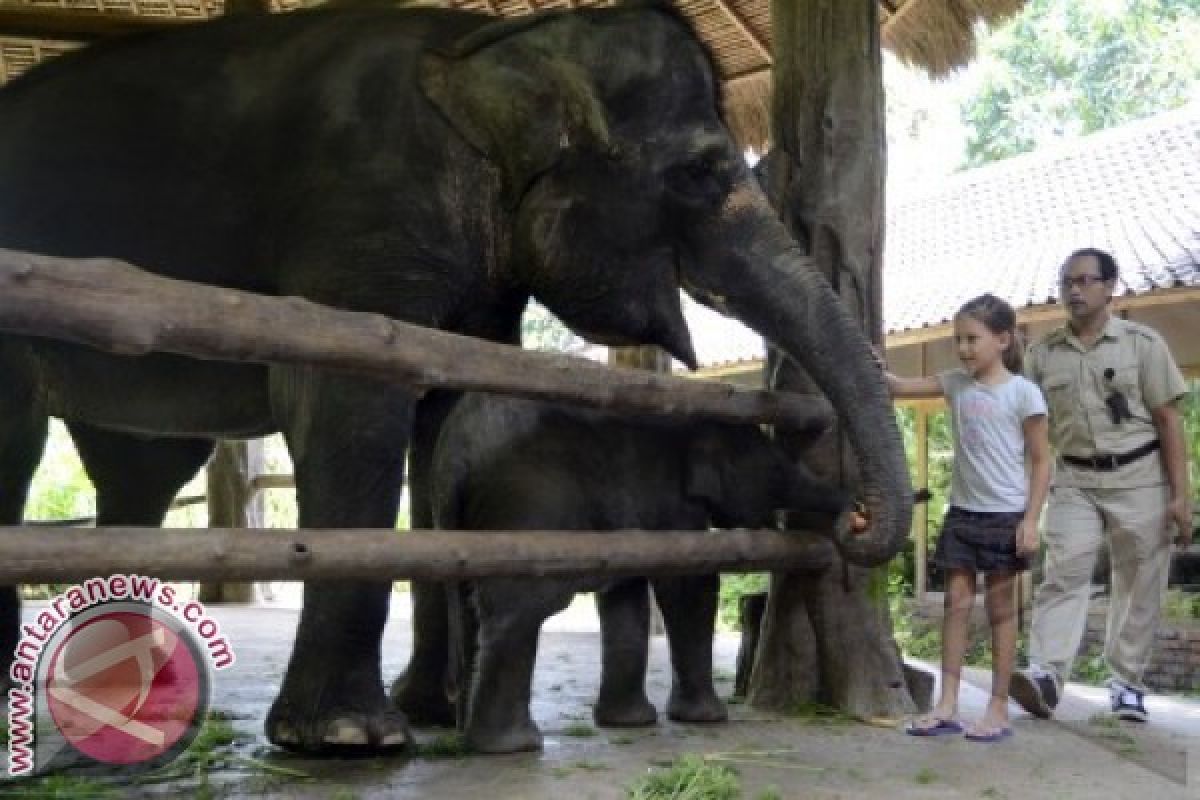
(740, 22)
(743, 77)
(1051, 311)
(72, 25)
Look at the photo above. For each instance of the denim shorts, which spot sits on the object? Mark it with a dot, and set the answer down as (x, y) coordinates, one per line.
(984, 541)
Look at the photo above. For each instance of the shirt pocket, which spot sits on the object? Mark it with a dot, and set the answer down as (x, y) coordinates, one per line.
(1061, 392)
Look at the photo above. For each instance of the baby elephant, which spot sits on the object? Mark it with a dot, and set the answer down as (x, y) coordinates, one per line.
(510, 464)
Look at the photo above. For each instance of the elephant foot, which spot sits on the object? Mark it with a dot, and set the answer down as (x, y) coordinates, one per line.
(423, 705)
(339, 716)
(637, 712)
(702, 706)
(514, 739)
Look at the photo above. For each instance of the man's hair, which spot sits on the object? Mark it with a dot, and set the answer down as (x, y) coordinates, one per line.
(1108, 264)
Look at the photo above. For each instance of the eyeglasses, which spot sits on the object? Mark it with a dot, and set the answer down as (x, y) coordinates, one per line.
(1079, 281)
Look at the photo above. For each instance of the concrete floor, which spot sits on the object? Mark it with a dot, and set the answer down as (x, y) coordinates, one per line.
(1077, 755)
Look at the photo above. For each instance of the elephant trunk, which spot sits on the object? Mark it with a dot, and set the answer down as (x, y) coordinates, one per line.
(749, 267)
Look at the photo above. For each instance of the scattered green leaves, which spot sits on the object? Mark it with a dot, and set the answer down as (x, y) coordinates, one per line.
(580, 730)
(690, 777)
(444, 746)
(925, 776)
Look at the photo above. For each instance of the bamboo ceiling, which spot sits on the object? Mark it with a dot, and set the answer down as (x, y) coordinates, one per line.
(937, 35)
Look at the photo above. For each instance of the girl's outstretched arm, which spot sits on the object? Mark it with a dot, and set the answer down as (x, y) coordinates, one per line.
(1037, 445)
(909, 387)
(914, 387)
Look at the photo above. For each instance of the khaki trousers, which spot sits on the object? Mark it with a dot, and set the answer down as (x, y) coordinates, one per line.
(1140, 553)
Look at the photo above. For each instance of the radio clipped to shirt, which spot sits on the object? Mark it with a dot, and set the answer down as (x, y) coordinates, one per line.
(1118, 405)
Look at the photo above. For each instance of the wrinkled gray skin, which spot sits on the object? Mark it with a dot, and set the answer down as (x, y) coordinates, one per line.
(510, 464)
(438, 167)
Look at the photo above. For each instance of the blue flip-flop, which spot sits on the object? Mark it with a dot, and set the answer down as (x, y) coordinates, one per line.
(988, 738)
(941, 727)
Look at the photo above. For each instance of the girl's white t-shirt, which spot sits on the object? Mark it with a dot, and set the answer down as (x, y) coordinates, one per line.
(989, 439)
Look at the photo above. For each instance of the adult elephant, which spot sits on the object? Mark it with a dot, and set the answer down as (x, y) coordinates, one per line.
(434, 166)
(504, 463)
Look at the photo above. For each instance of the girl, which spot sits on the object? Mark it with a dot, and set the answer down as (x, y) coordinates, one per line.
(998, 419)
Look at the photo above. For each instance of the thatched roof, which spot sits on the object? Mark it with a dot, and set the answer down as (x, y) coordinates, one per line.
(937, 35)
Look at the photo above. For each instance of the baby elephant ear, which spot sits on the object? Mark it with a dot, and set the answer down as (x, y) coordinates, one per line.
(517, 104)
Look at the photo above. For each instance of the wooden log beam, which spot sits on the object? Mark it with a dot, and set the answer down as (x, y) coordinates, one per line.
(75, 25)
(756, 40)
(41, 555)
(115, 307)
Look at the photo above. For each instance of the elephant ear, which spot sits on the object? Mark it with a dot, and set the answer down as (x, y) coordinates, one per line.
(517, 103)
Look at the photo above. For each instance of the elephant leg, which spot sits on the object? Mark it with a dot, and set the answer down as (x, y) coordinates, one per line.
(625, 633)
(136, 477)
(348, 437)
(22, 437)
(422, 691)
(689, 607)
(510, 614)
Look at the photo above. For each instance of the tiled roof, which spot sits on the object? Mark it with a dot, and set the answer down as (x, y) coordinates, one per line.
(1006, 227)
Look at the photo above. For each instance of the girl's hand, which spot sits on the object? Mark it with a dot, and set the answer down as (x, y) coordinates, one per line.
(1027, 538)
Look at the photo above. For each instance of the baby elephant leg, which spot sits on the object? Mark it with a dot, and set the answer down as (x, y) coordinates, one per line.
(689, 607)
(511, 613)
(625, 631)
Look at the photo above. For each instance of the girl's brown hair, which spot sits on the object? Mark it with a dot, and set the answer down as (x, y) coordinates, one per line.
(998, 317)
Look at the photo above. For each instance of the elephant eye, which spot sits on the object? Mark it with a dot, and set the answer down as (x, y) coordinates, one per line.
(695, 182)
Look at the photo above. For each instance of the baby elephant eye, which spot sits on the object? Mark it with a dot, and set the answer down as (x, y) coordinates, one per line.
(695, 181)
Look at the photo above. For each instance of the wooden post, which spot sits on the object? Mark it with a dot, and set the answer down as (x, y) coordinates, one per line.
(829, 638)
(233, 502)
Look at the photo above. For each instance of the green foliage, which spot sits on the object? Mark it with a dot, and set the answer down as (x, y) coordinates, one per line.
(1190, 412)
(689, 777)
(925, 776)
(60, 489)
(444, 746)
(1065, 68)
(733, 586)
(62, 787)
(579, 730)
(1090, 669)
(923, 640)
(1181, 606)
(541, 330)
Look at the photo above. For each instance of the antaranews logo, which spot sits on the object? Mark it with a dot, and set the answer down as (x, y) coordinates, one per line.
(113, 671)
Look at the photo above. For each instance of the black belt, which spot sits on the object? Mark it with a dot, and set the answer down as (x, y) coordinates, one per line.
(1107, 463)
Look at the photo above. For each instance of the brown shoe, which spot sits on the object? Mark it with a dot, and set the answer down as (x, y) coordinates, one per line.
(1037, 695)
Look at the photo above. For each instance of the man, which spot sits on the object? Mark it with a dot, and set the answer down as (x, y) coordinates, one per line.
(1121, 471)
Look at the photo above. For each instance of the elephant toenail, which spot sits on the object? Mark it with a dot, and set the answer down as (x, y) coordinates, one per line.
(344, 731)
(395, 739)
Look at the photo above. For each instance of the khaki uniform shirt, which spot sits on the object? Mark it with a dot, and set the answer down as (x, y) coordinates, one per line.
(1072, 377)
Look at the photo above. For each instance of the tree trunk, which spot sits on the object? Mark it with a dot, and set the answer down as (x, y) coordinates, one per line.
(232, 503)
(828, 638)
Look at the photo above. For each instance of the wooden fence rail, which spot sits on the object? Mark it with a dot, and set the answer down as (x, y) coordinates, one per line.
(41, 555)
(113, 306)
